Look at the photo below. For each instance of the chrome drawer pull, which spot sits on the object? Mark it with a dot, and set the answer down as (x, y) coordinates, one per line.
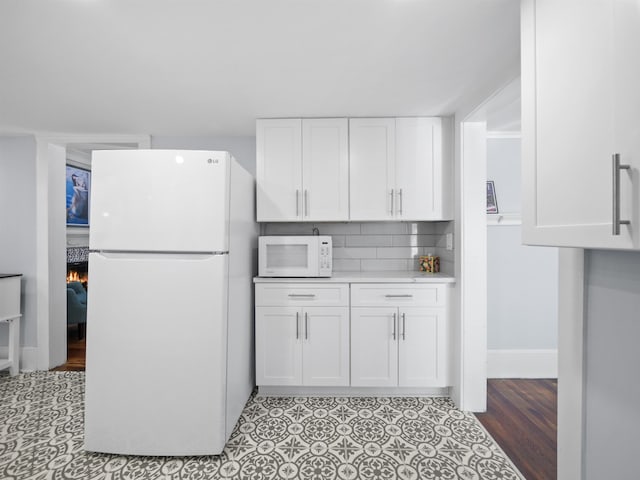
(399, 296)
(302, 295)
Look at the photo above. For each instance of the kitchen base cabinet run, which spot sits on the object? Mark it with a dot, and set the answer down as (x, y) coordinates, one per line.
(352, 339)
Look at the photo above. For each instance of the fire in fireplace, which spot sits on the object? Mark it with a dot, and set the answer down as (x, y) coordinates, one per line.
(78, 272)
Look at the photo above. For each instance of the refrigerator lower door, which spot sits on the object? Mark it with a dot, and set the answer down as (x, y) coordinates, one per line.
(156, 354)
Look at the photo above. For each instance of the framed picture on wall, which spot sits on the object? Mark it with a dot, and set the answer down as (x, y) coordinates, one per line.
(78, 189)
(492, 201)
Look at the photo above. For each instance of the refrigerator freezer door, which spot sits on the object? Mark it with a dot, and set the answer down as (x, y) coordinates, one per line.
(156, 354)
(159, 201)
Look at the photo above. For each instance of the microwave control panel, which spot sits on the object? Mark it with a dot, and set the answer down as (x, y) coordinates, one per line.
(325, 257)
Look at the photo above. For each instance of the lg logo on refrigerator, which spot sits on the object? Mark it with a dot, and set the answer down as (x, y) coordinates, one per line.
(213, 161)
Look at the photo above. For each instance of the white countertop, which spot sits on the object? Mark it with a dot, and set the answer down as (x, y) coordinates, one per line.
(366, 277)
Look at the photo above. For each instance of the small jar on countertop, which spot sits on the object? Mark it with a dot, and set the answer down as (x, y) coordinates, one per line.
(429, 263)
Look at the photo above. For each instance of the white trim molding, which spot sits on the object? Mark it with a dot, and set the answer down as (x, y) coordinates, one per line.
(28, 358)
(497, 134)
(522, 363)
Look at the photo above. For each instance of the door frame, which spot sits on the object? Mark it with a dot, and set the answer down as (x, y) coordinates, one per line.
(51, 307)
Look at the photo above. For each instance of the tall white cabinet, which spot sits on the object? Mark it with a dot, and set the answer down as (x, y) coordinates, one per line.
(302, 169)
(580, 104)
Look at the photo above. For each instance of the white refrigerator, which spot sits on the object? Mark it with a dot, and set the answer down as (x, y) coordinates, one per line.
(173, 246)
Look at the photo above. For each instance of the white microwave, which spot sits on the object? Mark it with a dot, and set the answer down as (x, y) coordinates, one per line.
(295, 256)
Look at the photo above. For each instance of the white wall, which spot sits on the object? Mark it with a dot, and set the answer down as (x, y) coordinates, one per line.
(612, 359)
(522, 281)
(18, 224)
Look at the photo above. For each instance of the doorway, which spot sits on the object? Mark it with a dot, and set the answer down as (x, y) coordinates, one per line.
(51, 159)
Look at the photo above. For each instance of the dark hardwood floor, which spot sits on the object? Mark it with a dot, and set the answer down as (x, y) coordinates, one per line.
(76, 349)
(521, 416)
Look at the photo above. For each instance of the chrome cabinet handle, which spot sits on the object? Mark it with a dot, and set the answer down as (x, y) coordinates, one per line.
(400, 201)
(616, 166)
(394, 326)
(404, 326)
(306, 326)
(297, 325)
(306, 203)
(406, 295)
(302, 295)
(391, 211)
(297, 202)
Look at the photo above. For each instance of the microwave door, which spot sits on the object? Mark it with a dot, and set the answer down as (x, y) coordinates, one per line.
(286, 258)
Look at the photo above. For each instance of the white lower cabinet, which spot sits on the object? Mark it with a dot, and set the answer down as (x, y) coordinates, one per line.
(394, 335)
(304, 344)
(404, 344)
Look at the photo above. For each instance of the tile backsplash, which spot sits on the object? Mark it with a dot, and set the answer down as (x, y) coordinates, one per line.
(377, 246)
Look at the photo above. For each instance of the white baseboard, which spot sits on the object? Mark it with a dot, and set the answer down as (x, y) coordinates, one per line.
(28, 358)
(522, 363)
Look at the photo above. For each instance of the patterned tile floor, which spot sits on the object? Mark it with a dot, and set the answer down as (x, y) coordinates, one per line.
(41, 437)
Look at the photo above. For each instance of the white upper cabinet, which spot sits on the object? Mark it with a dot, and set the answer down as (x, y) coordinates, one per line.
(423, 178)
(337, 169)
(325, 169)
(279, 169)
(372, 168)
(302, 169)
(398, 170)
(580, 104)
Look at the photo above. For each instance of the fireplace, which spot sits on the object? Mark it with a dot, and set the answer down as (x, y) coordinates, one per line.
(78, 265)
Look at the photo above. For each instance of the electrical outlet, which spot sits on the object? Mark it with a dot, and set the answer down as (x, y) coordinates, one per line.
(449, 241)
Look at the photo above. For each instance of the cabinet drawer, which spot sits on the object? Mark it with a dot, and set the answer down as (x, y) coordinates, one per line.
(398, 294)
(302, 294)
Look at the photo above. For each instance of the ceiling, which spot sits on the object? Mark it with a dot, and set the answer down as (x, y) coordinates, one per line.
(211, 67)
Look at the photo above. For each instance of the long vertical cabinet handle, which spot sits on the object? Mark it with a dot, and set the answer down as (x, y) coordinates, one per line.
(306, 326)
(306, 203)
(400, 202)
(394, 326)
(297, 202)
(392, 194)
(616, 167)
(297, 325)
(404, 326)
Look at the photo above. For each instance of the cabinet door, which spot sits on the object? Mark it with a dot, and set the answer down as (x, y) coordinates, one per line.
(374, 347)
(279, 169)
(569, 76)
(325, 346)
(626, 109)
(325, 169)
(419, 169)
(422, 356)
(371, 168)
(278, 346)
